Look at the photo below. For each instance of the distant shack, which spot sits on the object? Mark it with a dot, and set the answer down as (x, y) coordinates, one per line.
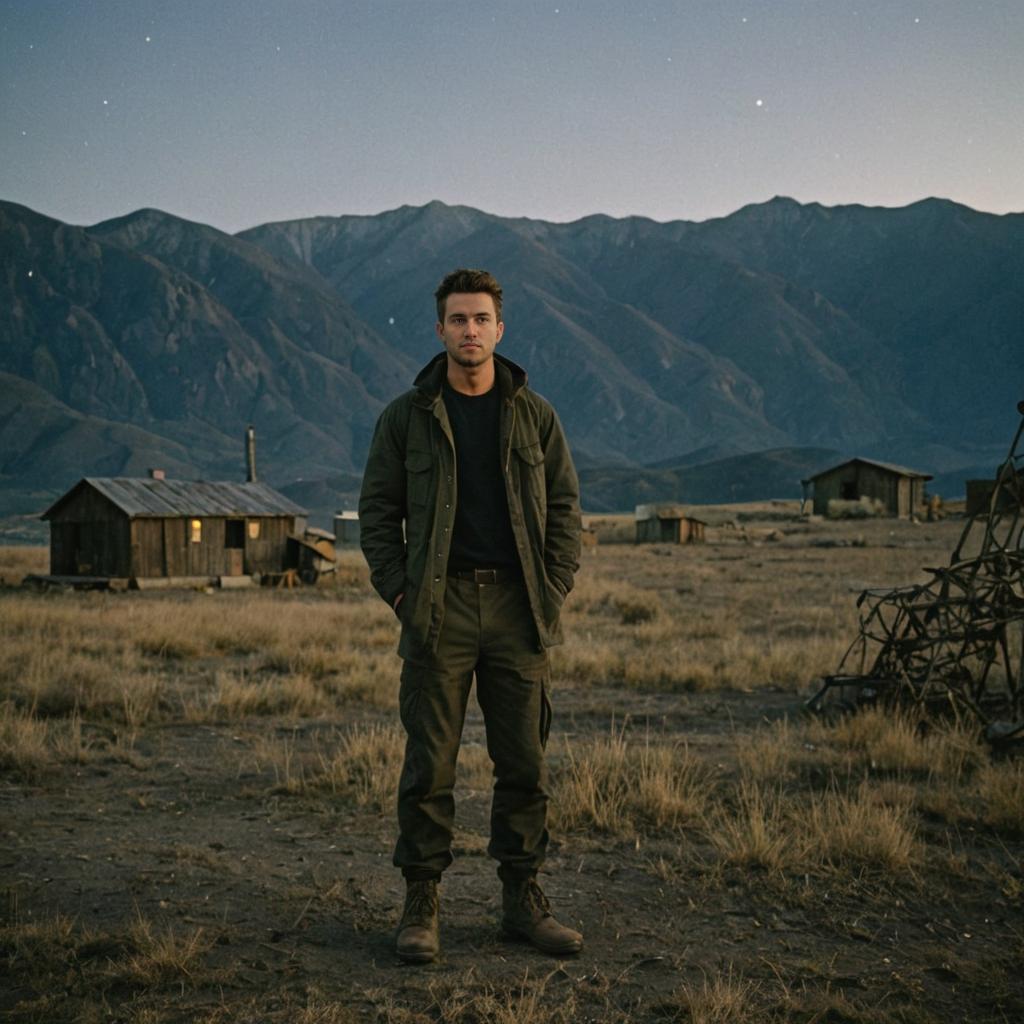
(667, 524)
(346, 528)
(898, 490)
(981, 494)
(157, 529)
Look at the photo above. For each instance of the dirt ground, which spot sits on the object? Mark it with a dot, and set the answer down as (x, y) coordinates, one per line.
(174, 874)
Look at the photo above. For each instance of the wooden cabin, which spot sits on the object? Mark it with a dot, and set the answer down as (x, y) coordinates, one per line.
(151, 528)
(900, 491)
(667, 524)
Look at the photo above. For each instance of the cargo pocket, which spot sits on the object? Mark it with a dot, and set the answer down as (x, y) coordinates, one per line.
(531, 470)
(410, 695)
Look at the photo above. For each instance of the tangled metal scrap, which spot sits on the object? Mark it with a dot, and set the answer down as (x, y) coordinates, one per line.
(958, 639)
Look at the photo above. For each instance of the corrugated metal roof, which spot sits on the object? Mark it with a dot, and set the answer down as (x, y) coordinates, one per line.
(150, 498)
(890, 467)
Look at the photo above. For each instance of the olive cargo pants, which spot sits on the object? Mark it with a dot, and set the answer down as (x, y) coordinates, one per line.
(488, 631)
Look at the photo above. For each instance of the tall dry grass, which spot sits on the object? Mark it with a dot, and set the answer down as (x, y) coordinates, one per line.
(737, 613)
(128, 657)
(70, 968)
(999, 792)
(725, 998)
(19, 561)
(24, 746)
(884, 741)
(31, 746)
(763, 826)
(705, 617)
(613, 785)
(754, 830)
(657, 618)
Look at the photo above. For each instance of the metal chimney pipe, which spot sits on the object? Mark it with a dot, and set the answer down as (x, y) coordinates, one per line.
(250, 455)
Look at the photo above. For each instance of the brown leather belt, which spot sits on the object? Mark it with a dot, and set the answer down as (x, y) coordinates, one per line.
(482, 576)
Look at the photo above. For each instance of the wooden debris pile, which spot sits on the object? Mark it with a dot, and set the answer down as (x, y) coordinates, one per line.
(958, 639)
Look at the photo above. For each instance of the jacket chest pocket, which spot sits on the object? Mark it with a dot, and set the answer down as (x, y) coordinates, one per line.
(530, 465)
(418, 476)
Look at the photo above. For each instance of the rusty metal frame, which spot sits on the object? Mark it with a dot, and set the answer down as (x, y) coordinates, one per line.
(956, 640)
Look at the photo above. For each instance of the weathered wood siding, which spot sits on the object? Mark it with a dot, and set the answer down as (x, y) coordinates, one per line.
(174, 538)
(691, 531)
(918, 495)
(148, 548)
(830, 486)
(269, 551)
(164, 547)
(900, 495)
(657, 531)
(89, 537)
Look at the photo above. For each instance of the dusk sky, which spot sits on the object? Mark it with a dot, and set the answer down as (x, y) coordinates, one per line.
(238, 112)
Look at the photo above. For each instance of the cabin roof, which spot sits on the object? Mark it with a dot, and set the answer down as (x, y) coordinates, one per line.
(889, 467)
(151, 498)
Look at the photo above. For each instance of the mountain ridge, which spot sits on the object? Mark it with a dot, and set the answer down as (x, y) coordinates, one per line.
(893, 332)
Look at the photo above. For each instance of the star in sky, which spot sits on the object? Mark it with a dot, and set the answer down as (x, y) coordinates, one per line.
(370, 72)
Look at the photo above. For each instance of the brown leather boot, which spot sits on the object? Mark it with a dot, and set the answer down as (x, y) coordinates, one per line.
(418, 941)
(526, 914)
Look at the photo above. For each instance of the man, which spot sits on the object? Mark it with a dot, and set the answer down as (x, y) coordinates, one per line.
(469, 520)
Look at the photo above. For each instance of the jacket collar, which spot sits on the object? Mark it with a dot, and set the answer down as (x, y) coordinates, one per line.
(510, 376)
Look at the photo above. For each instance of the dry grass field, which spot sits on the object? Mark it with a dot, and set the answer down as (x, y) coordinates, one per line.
(196, 793)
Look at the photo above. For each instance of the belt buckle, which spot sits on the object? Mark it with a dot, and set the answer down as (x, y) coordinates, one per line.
(483, 576)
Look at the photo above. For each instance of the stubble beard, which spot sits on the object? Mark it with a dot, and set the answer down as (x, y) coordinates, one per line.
(468, 361)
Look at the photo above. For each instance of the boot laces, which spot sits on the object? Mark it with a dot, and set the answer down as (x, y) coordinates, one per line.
(420, 903)
(535, 898)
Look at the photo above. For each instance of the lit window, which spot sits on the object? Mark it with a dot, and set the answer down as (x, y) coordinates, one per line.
(197, 531)
(254, 529)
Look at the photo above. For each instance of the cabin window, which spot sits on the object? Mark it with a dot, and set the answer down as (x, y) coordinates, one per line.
(234, 533)
(848, 490)
(196, 531)
(254, 529)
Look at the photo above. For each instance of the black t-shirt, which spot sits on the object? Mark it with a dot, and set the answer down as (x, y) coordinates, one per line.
(482, 535)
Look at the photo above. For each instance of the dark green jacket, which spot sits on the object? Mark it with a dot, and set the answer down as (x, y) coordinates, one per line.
(407, 503)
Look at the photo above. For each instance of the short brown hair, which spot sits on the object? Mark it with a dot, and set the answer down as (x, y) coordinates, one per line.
(465, 280)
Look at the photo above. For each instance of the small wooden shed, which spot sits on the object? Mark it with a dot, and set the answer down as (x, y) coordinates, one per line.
(120, 527)
(901, 491)
(667, 524)
(346, 528)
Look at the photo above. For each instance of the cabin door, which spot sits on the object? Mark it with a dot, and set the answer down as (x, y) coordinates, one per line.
(234, 545)
(905, 508)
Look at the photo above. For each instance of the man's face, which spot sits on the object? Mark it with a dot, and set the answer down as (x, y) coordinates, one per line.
(471, 329)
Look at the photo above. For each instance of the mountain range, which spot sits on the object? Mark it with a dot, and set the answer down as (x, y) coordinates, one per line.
(797, 331)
